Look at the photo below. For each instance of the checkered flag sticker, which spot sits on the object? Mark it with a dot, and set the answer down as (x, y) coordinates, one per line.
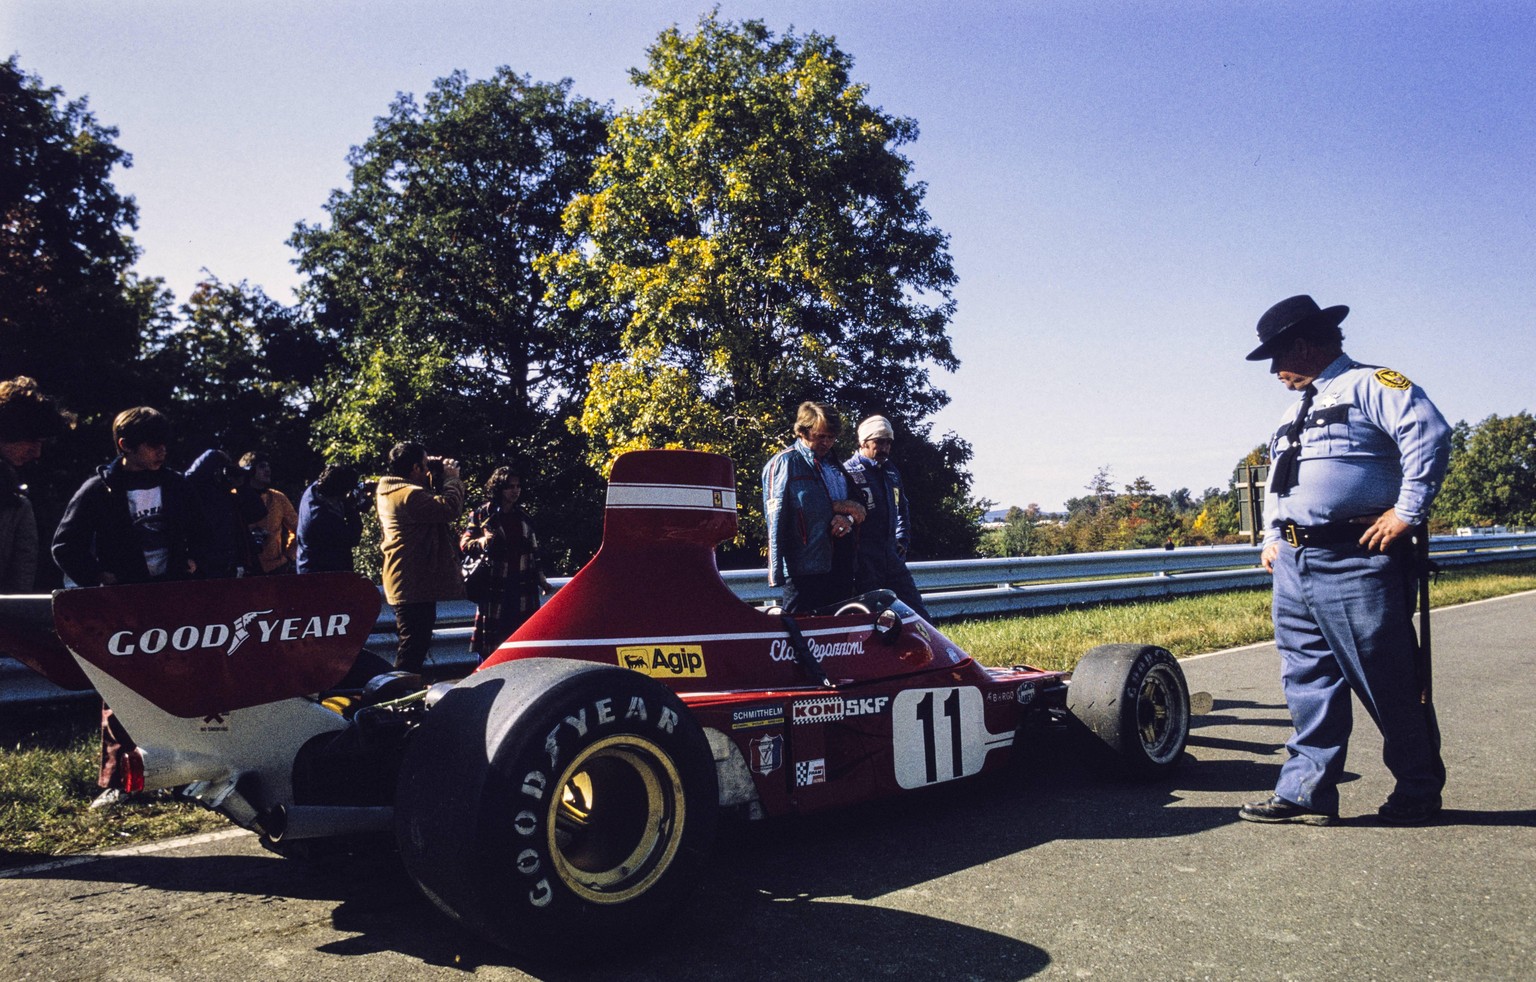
(809, 772)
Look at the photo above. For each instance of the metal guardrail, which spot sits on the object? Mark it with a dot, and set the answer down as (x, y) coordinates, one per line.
(958, 588)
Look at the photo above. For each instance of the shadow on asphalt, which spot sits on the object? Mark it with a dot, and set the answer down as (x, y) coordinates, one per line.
(1524, 819)
(1223, 712)
(775, 896)
(774, 902)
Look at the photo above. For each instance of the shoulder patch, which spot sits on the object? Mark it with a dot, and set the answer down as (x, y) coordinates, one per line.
(1392, 380)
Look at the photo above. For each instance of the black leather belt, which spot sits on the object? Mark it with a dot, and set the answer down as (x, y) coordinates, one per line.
(1322, 535)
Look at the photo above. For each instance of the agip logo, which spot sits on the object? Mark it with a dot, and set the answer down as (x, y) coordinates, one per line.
(673, 661)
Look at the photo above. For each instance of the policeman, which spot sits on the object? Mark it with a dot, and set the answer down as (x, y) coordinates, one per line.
(883, 538)
(1355, 466)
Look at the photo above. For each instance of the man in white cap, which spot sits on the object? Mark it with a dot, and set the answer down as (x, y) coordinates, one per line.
(885, 533)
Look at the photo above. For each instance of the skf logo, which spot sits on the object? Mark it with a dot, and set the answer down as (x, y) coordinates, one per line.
(664, 662)
(871, 706)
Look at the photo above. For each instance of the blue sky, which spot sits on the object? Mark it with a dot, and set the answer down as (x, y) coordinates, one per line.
(1126, 186)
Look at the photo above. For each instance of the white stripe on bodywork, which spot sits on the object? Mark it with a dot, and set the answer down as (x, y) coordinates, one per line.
(688, 497)
(674, 639)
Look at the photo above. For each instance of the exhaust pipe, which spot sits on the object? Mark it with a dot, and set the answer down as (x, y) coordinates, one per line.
(287, 823)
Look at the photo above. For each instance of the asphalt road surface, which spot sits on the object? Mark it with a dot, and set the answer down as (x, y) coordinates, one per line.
(1054, 875)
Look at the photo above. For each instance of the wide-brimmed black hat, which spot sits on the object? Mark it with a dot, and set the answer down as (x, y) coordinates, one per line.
(1292, 314)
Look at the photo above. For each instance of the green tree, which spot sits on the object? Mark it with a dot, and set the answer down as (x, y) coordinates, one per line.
(1142, 518)
(1019, 535)
(425, 275)
(1492, 475)
(1216, 519)
(72, 313)
(65, 248)
(239, 373)
(755, 229)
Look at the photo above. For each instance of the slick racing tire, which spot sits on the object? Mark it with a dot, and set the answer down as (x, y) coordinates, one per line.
(1132, 705)
(556, 806)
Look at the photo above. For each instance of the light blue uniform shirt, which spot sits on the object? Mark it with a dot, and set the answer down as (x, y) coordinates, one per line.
(1372, 440)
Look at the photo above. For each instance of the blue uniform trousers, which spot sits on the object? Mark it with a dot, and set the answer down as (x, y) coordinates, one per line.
(1343, 622)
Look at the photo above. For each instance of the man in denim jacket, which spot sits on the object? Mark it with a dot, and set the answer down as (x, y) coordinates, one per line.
(811, 518)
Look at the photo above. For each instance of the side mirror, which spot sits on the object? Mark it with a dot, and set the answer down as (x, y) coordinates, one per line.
(888, 625)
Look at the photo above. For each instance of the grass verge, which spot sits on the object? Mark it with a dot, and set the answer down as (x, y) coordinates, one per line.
(48, 763)
(48, 756)
(1184, 625)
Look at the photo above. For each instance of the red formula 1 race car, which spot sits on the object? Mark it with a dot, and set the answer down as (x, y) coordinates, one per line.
(570, 787)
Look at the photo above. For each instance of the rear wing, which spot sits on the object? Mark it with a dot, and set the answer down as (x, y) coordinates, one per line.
(204, 647)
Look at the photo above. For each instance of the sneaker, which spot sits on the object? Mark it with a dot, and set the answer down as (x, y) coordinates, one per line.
(1411, 813)
(1277, 809)
(110, 798)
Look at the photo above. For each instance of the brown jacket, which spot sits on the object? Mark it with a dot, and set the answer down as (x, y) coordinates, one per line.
(421, 551)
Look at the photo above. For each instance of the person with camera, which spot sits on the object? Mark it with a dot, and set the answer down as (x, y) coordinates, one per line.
(501, 532)
(421, 551)
(331, 520)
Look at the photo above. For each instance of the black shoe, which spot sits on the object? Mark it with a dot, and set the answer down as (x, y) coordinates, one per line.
(1277, 809)
(1410, 813)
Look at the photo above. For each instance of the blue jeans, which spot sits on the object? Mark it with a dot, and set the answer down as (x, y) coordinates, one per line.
(1344, 623)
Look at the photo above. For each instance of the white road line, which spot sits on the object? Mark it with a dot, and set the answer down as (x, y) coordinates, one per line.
(163, 845)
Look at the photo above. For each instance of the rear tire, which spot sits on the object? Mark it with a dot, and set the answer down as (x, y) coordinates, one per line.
(1132, 704)
(553, 805)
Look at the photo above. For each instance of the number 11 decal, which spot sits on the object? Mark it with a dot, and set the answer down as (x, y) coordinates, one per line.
(938, 735)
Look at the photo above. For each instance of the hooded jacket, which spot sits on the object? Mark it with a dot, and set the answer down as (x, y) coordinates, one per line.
(228, 512)
(97, 533)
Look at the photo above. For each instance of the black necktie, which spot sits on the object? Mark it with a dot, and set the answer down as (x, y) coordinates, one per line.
(1284, 476)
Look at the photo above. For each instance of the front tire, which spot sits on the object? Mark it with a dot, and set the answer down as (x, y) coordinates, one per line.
(1133, 703)
(548, 803)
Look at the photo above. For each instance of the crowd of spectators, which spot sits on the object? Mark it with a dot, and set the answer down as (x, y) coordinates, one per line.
(138, 520)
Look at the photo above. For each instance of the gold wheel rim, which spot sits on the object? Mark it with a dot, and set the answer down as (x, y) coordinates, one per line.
(615, 825)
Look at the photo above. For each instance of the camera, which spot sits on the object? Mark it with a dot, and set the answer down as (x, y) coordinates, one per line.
(361, 496)
(435, 469)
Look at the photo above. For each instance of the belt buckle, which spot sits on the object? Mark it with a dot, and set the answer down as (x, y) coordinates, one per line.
(1289, 531)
